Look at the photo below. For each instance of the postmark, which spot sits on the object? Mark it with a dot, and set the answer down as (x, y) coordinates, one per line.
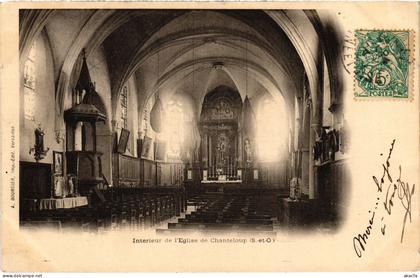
(348, 52)
(383, 64)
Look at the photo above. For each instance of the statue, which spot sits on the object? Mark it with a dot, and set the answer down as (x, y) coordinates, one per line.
(38, 148)
(295, 190)
(247, 147)
(58, 187)
(72, 185)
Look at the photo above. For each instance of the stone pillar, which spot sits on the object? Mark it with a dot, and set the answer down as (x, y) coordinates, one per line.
(305, 157)
(211, 159)
(313, 190)
(295, 148)
(305, 146)
(78, 136)
(113, 125)
(316, 126)
(205, 151)
(240, 164)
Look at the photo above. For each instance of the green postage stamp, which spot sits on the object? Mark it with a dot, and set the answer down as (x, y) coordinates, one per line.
(383, 64)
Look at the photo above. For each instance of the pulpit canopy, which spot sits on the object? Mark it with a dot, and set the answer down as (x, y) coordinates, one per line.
(84, 112)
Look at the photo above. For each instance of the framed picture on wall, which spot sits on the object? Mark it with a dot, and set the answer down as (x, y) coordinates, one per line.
(146, 148)
(122, 143)
(160, 150)
(58, 163)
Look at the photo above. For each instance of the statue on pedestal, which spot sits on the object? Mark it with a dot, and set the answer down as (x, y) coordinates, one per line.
(38, 148)
(248, 151)
(72, 185)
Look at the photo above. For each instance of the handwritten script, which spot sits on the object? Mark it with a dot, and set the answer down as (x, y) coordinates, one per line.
(390, 191)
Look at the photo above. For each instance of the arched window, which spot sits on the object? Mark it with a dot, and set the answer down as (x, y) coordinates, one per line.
(271, 130)
(124, 106)
(146, 116)
(29, 85)
(174, 129)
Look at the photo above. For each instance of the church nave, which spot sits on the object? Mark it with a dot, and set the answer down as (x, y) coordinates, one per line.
(181, 121)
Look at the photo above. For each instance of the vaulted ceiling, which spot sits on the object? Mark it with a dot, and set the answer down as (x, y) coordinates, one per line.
(192, 51)
(184, 52)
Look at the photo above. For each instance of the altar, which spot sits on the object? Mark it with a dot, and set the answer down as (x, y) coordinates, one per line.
(62, 203)
(219, 132)
(226, 155)
(222, 182)
(220, 185)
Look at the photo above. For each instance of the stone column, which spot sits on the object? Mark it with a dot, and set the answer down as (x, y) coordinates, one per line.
(295, 138)
(240, 150)
(211, 160)
(316, 126)
(304, 145)
(78, 137)
(205, 151)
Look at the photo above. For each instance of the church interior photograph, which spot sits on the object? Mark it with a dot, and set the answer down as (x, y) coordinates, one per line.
(181, 121)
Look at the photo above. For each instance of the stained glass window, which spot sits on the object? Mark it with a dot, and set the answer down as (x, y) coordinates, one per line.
(29, 85)
(124, 107)
(146, 113)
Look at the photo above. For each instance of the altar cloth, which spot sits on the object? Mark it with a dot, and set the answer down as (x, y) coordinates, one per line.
(50, 204)
(221, 182)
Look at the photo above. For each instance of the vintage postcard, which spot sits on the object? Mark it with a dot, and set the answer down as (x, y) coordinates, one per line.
(209, 137)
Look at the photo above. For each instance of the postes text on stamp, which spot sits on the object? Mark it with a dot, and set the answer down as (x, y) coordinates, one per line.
(382, 64)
